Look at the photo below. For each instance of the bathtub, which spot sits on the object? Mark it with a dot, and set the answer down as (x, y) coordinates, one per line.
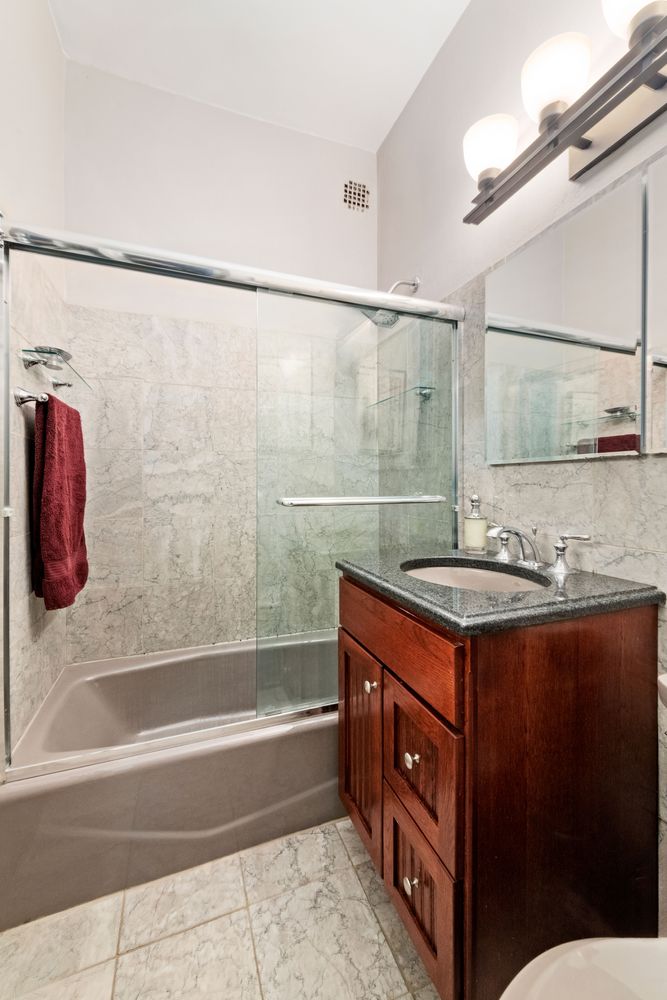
(107, 709)
(151, 772)
(595, 969)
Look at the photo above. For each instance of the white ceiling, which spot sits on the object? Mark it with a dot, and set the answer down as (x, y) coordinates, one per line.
(342, 69)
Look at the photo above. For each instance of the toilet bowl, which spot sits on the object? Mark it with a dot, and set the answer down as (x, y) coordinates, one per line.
(595, 969)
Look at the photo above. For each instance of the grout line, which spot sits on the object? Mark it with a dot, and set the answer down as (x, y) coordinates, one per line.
(382, 932)
(113, 978)
(252, 936)
(63, 979)
(217, 916)
(182, 930)
(121, 922)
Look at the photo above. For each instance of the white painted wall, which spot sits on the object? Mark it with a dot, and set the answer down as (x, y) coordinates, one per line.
(148, 167)
(424, 187)
(32, 83)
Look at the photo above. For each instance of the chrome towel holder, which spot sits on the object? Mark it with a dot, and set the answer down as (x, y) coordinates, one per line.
(22, 396)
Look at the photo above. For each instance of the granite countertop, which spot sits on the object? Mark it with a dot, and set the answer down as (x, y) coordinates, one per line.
(471, 612)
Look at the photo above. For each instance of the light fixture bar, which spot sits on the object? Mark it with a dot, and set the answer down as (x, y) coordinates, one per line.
(636, 68)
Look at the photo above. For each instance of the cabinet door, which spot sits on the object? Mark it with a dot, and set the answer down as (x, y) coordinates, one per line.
(427, 899)
(360, 741)
(423, 763)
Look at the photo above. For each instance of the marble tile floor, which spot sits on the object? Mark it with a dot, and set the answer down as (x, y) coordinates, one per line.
(305, 917)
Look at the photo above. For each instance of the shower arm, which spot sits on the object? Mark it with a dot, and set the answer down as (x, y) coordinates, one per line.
(412, 283)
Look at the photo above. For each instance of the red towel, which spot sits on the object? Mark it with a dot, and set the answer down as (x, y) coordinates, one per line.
(618, 442)
(59, 558)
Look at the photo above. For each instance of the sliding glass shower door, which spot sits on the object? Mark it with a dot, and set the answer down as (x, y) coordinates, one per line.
(352, 405)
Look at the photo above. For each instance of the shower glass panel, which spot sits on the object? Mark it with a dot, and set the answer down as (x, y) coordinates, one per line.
(209, 604)
(159, 645)
(351, 404)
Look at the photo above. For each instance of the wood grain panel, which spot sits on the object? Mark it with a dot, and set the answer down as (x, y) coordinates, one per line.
(430, 909)
(562, 817)
(360, 741)
(421, 657)
(432, 789)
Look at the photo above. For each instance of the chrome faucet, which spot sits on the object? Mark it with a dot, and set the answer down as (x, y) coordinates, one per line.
(498, 530)
(560, 568)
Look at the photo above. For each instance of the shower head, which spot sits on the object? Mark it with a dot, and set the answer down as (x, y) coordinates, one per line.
(381, 317)
(387, 317)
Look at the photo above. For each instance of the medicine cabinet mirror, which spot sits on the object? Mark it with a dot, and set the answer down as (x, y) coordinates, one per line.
(563, 340)
(656, 313)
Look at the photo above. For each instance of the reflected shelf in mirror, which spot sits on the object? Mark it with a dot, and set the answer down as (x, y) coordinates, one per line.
(614, 418)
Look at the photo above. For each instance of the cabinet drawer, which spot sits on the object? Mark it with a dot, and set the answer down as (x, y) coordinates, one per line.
(426, 661)
(425, 896)
(423, 763)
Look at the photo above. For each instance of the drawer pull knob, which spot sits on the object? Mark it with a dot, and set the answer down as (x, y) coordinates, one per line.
(409, 884)
(370, 686)
(411, 759)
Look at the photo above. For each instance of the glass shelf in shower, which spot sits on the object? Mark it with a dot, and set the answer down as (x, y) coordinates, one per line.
(39, 360)
(616, 418)
(424, 391)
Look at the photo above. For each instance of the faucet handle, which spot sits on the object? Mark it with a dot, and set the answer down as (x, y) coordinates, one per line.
(560, 568)
(567, 536)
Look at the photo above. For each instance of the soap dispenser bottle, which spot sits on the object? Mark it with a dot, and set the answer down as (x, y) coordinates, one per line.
(475, 527)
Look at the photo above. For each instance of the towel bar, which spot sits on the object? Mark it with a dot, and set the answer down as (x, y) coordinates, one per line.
(354, 501)
(22, 396)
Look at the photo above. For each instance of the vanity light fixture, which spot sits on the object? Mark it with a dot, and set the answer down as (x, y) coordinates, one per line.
(590, 123)
(631, 19)
(489, 146)
(554, 76)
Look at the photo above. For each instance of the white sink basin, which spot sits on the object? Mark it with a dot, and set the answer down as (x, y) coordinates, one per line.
(475, 578)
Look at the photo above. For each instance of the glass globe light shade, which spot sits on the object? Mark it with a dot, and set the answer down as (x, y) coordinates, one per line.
(555, 75)
(624, 17)
(490, 145)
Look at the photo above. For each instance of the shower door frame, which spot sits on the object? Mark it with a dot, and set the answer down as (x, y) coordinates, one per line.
(111, 253)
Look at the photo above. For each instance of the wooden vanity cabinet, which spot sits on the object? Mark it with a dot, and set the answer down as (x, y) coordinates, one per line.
(360, 741)
(505, 784)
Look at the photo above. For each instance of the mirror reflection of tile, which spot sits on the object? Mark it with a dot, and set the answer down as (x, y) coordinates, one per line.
(562, 352)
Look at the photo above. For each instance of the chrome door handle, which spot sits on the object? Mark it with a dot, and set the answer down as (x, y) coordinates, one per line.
(370, 686)
(409, 884)
(411, 759)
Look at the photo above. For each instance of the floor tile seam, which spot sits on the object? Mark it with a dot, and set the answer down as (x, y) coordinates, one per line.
(301, 885)
(386, 939)
(69, 975)
(182, 930)
(252, 934)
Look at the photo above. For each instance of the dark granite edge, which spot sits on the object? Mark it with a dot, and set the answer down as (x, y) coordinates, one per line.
(497, 621)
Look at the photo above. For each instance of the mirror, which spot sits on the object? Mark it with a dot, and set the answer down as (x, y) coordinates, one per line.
(562, 357)
(656, 326)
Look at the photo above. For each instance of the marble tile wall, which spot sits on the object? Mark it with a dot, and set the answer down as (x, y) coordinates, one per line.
(621, 502)
(178, 418)
(316, 437)
(37, 638)
(171, 458)
(169, 428)
(414, 430)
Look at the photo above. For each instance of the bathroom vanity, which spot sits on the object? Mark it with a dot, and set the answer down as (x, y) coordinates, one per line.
(498, 757)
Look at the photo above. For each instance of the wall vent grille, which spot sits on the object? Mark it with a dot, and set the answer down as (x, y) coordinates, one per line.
(356, 196)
